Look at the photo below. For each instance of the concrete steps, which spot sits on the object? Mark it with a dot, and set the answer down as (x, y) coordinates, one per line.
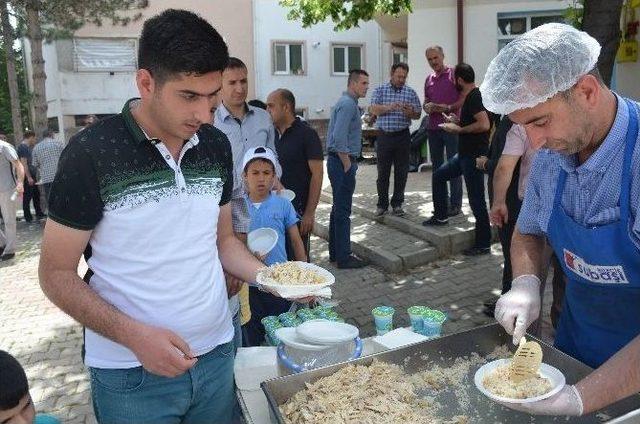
(446, 240)
(383, 245)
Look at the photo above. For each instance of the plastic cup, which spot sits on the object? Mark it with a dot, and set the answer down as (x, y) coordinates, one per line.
(271, 319)
(383, 318)
(289, 319)
(322, 311)
(432, 323)
(306, 314)
(416, 316)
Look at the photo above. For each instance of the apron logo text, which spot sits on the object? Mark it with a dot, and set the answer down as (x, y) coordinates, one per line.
(595, 273)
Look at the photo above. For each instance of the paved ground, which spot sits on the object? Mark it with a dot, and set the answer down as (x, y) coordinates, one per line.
(48, 343)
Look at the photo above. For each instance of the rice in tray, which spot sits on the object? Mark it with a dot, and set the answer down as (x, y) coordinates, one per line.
(499, 383)
(377, 394)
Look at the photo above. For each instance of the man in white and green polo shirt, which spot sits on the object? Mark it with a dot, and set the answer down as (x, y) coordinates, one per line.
(146, 193)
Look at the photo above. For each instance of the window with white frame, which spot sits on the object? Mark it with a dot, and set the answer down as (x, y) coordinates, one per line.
(345, 57)
(288, 58)
(104, 54)
(510, 25)
(399, 54)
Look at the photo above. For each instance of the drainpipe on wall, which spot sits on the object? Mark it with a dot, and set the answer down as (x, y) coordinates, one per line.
(460, 9)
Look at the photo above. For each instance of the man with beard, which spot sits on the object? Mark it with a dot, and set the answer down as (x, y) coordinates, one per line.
(583, 197)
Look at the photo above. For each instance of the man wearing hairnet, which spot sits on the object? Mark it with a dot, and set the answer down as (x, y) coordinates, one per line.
(583, 196)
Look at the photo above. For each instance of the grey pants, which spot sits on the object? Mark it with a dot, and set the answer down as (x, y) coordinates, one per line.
(8, 233)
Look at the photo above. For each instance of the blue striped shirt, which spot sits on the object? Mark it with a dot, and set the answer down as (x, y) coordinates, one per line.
(592, 191)
(387, 94)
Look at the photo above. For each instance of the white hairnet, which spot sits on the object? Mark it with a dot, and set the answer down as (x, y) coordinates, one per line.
(537, 65)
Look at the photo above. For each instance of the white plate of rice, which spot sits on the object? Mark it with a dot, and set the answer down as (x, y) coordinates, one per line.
(295, 275)
(492, 379)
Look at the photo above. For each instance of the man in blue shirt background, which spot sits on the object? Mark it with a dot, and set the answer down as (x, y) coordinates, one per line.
(395, 104)
(343, 149)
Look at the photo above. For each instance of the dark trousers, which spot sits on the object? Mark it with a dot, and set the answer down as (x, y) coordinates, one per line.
(439, 140)
(262, 305)
(47, 190)
(505, 234)
(474, 180)
(342, 186)
(31, 192)
(392, 148)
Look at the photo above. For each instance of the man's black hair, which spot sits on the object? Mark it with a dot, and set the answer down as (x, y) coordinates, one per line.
(13, 382)
(235, 63)
(354, 75)
(257, 103)
(179, 41)
(465, 71)
(29, 133)
(288, 98)
(400, 65)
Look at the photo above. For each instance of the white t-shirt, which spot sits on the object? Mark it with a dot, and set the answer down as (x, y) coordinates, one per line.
(518, 144)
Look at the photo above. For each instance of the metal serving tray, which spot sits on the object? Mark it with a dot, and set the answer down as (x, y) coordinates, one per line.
(443, 351)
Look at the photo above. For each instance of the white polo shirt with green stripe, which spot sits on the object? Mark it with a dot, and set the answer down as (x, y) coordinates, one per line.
(152, 252)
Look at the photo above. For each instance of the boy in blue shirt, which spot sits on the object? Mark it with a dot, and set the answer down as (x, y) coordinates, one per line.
(16, 406)
(271, 211)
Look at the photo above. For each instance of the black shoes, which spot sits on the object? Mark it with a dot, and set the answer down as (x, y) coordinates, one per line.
(454, 212)
(7, 256)
(489, 309)
(476, 251)
(352, 263)
(433, 221)
(398, 211)
(380, 212)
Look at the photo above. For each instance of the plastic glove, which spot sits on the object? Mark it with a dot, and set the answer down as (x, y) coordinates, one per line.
(520, 306)
(566, 402)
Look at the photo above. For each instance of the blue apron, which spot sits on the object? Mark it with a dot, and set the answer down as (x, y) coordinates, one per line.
(601, 312)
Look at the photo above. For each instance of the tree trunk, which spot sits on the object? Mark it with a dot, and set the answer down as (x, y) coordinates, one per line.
(12, 77)
(601, 20)
(39, 98)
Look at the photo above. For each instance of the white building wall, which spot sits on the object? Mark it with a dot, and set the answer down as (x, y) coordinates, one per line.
(317, 90)
(78, 93)
(435, 22)
(628, 79)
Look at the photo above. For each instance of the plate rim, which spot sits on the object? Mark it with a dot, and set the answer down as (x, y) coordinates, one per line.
(478, 382)
(326, 343)
(269, 229)
(331, 279)
(300, 345)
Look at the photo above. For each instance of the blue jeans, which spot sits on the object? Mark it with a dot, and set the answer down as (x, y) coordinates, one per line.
(237, 332)
(438, 141)
(204, 394)
(474, 180)
(342, 186)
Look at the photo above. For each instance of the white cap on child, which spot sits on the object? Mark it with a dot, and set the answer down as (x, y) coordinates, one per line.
(264, 153)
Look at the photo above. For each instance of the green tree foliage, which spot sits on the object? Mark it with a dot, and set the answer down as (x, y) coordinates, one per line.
(45, 20)
(344, 14)
(5, 103)
(61, 18)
